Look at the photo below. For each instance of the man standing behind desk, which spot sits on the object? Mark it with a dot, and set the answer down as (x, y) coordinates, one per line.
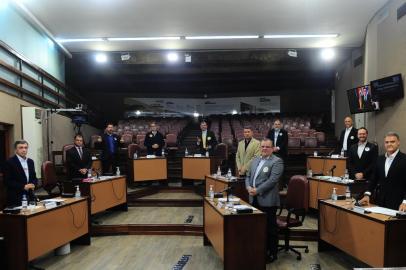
(154, 141)
(246, 151)
(348, 137)
(388, 183)
(262, 185)
(78, 159)
(279, 138)
(110, 144)
(19, 175)
(362, 157)
(206, 141)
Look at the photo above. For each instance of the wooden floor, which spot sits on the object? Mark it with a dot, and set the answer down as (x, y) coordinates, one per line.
(163, 252)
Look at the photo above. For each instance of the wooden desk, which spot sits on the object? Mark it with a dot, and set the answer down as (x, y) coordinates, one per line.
(322, 189)
(239, 239)
(106, 194)
(196, 168)
(219, 184)
(31, 235)
(97, 165)
(323, 165)
(149, 169)
(374, 239)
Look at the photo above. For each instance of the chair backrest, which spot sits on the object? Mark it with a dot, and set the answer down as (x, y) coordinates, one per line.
(127, 138)
(310, 142)
(221, 151)
(49, 179)
(321, 137)
(170, 140)
(297, 196)
(93, 140)
(140, 139)
(293, 142)
(132, 148)
(64, 149)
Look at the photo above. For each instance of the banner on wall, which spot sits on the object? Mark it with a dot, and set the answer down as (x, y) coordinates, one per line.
(205, 107)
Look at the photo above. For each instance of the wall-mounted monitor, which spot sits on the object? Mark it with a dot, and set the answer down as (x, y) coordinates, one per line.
(360, 100)
(388, 88)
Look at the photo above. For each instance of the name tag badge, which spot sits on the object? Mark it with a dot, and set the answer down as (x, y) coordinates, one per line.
(150, 135)
(115, 138)
(280, 134)
(208, 138)
(265, 170)
(352, 137)
(367, 149)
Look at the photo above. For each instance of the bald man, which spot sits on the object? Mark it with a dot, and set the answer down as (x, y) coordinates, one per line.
(348, 136)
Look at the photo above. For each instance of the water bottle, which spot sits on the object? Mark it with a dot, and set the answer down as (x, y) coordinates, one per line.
(211, 193)
(89, 173)
(163, 152)
(334, 194)
(346, 175)
(348, 193)
(207, 153)
(229, 175)
(309, 173)
(135, 156)
(24, 203)
(218, 171)
(118, 171)
(342, 153)
(186, 152)
(77, 192)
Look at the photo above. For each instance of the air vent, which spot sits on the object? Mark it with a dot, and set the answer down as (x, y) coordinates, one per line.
(358, 61)
(401, 11)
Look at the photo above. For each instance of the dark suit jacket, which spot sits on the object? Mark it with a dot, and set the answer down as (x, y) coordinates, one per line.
(389, 191)
(150, 139)
(15, 179)
(106, 154)
(365, 164)
(211, 143)
(74, 162)
(281, 142)
(352, 139)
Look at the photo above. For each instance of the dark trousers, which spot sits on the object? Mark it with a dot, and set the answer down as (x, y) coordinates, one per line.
(109, 163)
(271, 226)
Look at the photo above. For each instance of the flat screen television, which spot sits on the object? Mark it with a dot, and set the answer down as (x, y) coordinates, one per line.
(360, 100)
(388, 88)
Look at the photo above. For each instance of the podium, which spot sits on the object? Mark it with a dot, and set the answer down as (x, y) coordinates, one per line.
(323, 165)
(221, 183)
(149, 169)
(196, 168)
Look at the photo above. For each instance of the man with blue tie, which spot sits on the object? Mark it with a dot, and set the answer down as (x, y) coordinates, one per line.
(262, 186)
(19, 175)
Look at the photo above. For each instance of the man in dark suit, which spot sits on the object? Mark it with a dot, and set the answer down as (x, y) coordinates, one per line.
(279, 138)
(78, 159)
(154, 141)
(109, 144)
(19, 175)
(348, 137)
(206, 141)
(388, 185)
(261, 183)
(362, 157)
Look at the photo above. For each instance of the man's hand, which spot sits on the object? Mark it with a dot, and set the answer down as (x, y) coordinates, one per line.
(83, 171)
(155, 146)
(359, 176)
(252, 191)
(29, 186)
(99, 139)
(275, 149)
(364, 200)
(198, 140)
(402, 207)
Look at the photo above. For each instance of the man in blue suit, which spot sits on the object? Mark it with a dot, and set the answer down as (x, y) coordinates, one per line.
(262, 186)
(19, 175)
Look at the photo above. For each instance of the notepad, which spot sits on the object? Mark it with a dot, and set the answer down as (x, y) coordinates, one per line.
(382, 210)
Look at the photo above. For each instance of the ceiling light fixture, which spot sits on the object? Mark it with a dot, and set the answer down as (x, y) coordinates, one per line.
(101, 58)
(195, 114)
(172, 57)
(67, 40)
(234, 112)
(137, 112)
(221, 37)
(302, 36)
(143, 38)
(328, 54)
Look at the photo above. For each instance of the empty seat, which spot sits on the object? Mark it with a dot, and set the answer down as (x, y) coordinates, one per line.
(310, 142)
(293, 142)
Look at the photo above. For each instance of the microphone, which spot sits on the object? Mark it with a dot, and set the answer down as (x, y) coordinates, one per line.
(332, 170)
(330, 153)
(227, 190)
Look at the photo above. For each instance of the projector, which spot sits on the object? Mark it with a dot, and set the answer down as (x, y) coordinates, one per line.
(292, 53)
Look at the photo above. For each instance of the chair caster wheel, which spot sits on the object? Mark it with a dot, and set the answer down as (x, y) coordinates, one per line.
(306, 250)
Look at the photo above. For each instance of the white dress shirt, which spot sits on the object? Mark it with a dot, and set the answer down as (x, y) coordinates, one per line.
(361, 147)
(346, 134)
(388, 161)
(24, 164)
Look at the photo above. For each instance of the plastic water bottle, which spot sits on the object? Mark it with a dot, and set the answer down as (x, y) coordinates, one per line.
(342, 153)
(334, 194)
(207, 153)
(24, 203)
(229, 175)
(348, 193)
(309, 173)
(186, 152)
(135, 156)
(118, 171)
(218, 171)
(163, 152)
(346, 175)
(89, 173)
(77, 192)
(211, 193)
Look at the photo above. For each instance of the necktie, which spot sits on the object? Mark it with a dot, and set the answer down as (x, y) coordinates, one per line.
(80, 152)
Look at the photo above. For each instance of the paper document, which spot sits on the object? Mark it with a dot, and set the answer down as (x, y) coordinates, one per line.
(230, 200)
(382, 210)
(53, 200)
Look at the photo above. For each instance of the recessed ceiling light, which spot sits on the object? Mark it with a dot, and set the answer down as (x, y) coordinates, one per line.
(222, 37)
(302, 36)
(67, 40)
(195, 114)
(137, 112)
(172, 57)
(234, 112)
(101, 58)
(328, 54)
(142, 38)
